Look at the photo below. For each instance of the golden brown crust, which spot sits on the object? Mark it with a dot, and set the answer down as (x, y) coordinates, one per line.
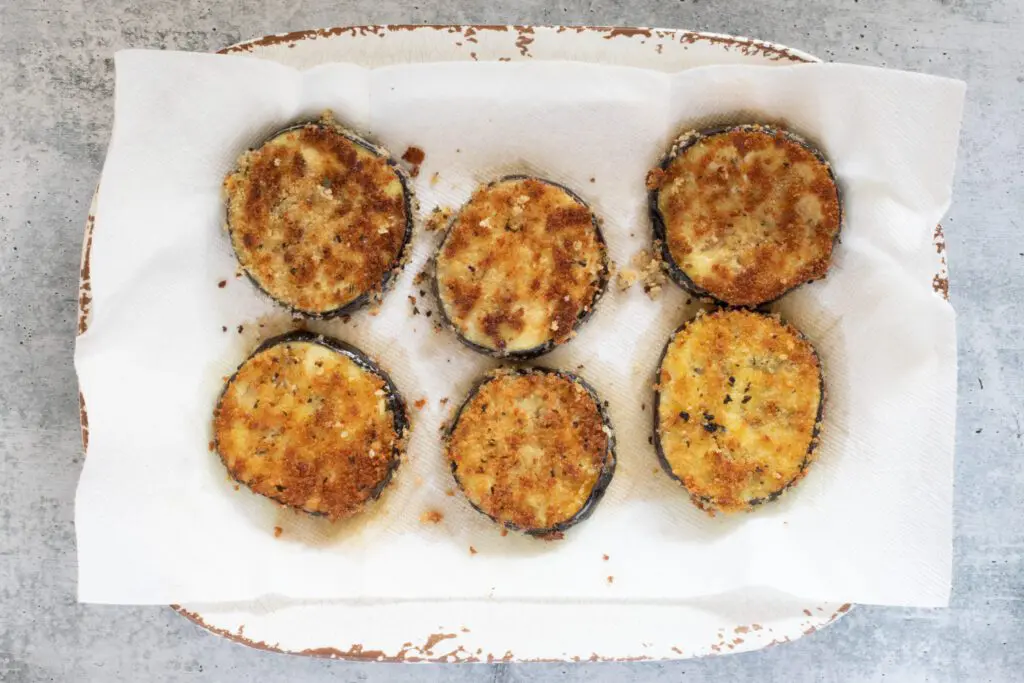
(748, 213)
(738, 404)
(317, 219)
(309, 427)
(530, 449)
(521, 265)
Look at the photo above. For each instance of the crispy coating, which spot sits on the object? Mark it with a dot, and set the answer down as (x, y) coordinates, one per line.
(739, 399)
(530, 449)
(310, 427)
(748, 213)
(316, 219)
(521, 266)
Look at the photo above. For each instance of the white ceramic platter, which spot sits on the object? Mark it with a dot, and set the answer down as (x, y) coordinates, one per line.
(487, 631)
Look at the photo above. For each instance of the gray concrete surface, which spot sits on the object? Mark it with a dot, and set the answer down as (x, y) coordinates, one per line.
(56, 96)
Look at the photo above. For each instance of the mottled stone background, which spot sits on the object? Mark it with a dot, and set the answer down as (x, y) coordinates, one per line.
(56, 97)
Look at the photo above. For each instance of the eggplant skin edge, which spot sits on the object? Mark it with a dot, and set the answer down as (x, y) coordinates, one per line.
(393, 398)
(603, 479)
(707, 503)
(604, 276)
(660, 230)
(390, 275)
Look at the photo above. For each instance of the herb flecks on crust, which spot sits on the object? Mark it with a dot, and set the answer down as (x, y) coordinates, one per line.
(309, 427)
(739, 400)
(747, 213)
(317, 218)
(521, 266)
(530, 449)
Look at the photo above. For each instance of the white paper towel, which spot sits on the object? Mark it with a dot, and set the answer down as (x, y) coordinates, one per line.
(158, 520)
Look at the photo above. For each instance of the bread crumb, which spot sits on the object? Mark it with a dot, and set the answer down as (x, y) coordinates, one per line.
(414, 155)
(278, 531)
(211, 446)
(222, 284)
(434, 178)
(504, 532)
(438, 219)
(472, 550)
(420, 403)
(604, 557)
(431, 517)
(627, 278)
(240, 328)
(611, 579)
(647, 268)
(449, 492)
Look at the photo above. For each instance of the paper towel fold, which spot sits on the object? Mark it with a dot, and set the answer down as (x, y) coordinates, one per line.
(158, 520)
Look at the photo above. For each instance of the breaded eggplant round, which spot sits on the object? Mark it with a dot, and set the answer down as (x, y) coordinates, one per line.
(744, 214)
(532, 448)
(520, 268)
(313, 423)
(738, 406)
(318, 218)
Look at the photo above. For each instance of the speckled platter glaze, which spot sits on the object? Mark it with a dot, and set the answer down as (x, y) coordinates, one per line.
(503, 631)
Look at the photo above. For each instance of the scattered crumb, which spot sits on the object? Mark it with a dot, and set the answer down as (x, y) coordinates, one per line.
(278, 531)
(504, 532)
(627, 277)
(412, 302)
(643, 406)
(647, 268)
(464, 629)
(472, 550)
(449, 492)
(591, 180)
(420, 278)
(414, 155)
(237, 487)
(444, 401)
(212, 446)
(611, 579)
(222, 284)
(223, 328)
(420, 403)
(431, 517)
(650, 440)
(240, 328)
(438, 219)
(604, 557)
(434, 178)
